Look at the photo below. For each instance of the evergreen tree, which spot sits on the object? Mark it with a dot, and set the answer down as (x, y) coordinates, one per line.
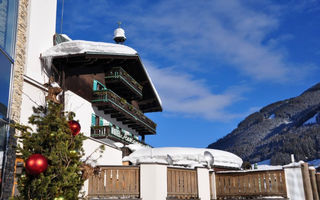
(54, 140)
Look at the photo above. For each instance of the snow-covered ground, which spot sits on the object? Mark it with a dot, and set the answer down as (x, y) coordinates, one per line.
(266, 165)
(312, 120)
(315, 163)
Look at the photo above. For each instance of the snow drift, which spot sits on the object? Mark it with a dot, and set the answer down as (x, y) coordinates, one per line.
(187, 157)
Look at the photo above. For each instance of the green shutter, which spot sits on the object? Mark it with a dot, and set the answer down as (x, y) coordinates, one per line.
(93, 120)
(100, 121)
(95, 85)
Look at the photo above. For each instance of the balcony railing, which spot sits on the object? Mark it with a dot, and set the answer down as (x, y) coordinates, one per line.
(118, 75)
(119, 108)
(100, 132)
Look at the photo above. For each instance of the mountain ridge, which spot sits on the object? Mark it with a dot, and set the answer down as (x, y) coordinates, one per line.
(278, 130)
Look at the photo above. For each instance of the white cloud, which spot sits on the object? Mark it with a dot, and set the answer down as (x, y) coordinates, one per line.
(193, 31)
(187, 96)
(226, 29)
(188, 34)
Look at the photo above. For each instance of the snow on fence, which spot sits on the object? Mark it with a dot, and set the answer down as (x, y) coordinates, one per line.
(250, 184)
(115, 181)
(182, 183)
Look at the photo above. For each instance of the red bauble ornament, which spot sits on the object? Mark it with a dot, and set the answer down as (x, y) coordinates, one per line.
(36, 164)
(74, 127)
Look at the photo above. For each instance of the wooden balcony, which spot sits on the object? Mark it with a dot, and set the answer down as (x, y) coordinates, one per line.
(119, 81)
(100, 132)
(119, 108)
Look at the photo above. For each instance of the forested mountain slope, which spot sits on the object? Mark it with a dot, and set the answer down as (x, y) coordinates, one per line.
(286, 127)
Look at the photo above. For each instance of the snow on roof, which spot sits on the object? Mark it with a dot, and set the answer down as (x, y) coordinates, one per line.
(80, 46)
(269, 167)
(188, 157)
(74, 47)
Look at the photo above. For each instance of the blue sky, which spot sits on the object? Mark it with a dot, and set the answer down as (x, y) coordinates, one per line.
(212, 62)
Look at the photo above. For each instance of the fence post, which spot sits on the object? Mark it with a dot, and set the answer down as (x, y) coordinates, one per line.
(203, 183)
(306, 181)
(315, 193)
(213, 188)
(294, 182)
(318, 182)
(153, 182)
(85, 188)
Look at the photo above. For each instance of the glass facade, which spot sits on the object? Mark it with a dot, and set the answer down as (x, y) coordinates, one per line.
(8, 28)
(8, 19)
(4, 97)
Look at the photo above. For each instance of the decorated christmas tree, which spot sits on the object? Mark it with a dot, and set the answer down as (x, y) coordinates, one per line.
(51, 149)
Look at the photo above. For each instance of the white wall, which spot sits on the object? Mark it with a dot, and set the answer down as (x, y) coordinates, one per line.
(84, 110)
(294, 183)
(31, 97)
(203, 183)
(153, 182)
(110, 156)
(41, 29)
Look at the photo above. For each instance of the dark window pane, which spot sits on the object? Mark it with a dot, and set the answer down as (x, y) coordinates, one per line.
(8, 18)
(5, 73)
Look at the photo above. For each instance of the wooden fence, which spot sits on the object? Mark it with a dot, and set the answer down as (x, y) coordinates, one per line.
(182, 183)
(115, 182)
(318, 183)
(250, 184)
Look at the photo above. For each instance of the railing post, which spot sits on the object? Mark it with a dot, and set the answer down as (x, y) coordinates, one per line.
(306, 181)
(213, 189)
(318, 182)
(315, 191)
(203, 183)
(85, 188)
(153, 182)
(294, 182)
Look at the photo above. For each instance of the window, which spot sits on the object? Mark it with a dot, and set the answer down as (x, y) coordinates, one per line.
(4, 97)
(8, 27)
(8, 20)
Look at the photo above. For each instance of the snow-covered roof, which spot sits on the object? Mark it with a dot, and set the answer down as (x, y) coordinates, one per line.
(80, 46)
(76, 47)
(181, 156)
(269, 167)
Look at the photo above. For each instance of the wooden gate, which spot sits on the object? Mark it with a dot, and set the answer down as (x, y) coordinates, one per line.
(115, 182)
(251, 184)
(182, 183)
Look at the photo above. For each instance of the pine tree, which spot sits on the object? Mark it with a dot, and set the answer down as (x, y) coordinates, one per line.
(54, 140)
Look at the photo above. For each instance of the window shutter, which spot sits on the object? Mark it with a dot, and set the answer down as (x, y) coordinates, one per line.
(93, 120)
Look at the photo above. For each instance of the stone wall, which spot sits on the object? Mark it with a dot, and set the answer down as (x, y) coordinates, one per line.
(17, 80)
(20, 59)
